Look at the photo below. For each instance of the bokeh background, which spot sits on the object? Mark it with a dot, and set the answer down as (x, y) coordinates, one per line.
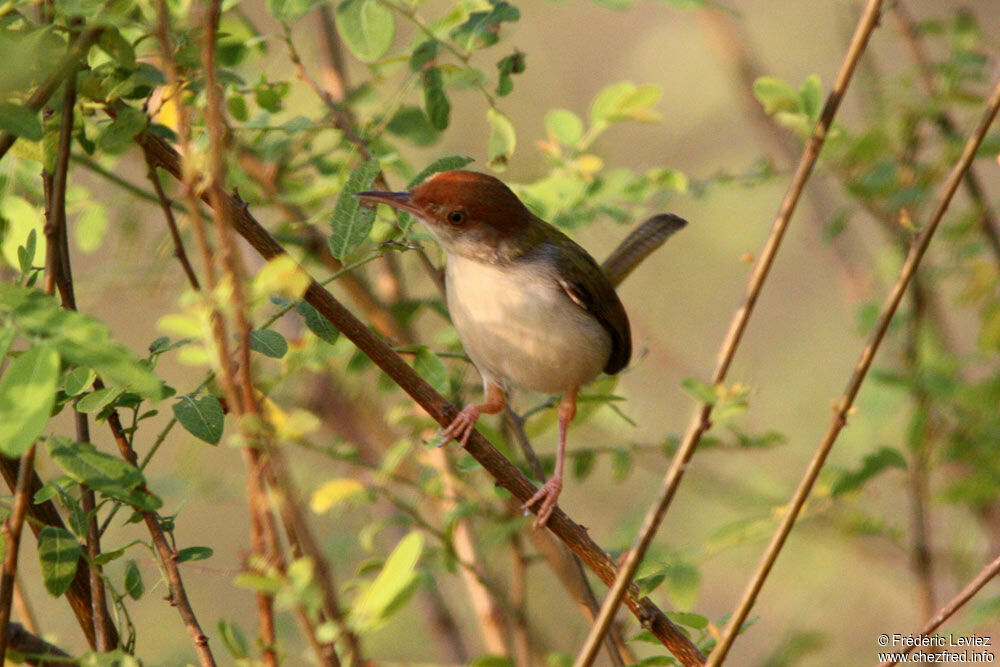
(835, 587)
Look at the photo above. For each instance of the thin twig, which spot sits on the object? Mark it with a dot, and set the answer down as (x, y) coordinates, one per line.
(988, 572)
(168, 214)
(503, 471)
(34, 648)
(701, 419)
(917, 251)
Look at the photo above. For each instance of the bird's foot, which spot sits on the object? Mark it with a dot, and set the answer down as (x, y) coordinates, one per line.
(548, 495)
(462, 426)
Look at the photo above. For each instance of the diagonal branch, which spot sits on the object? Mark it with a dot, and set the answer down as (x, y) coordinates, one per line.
(506, 474)
(991, 570)
(701, 419)
(906, 273)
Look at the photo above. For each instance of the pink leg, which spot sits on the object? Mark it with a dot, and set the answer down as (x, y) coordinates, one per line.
(464, 424)
(549, 493)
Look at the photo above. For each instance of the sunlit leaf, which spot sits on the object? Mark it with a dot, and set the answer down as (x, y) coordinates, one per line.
(367, 28)
(27, 394)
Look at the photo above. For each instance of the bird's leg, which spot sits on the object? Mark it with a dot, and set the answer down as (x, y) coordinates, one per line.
(549, 493)
(464, 423)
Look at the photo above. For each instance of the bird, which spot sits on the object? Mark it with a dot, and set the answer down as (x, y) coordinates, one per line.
(532, 308)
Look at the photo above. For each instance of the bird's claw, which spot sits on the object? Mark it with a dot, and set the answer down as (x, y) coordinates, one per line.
(461, 427)
(548, 495)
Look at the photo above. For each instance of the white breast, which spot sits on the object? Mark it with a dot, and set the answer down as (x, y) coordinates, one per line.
(519, 326)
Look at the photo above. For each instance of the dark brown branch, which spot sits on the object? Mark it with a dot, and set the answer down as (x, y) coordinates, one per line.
(909, 268)
(505, 473)
(35, 649)
(63, 69)
(701, 419)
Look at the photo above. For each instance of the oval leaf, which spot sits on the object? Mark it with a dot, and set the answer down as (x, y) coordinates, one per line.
(20, 121)
(269, 343)
(133, 581)
(201, 416)
(366, 27)
(27, 394)
(351, 223)
(392, 585)
(58, 553)
(97, 470)
(316, 323)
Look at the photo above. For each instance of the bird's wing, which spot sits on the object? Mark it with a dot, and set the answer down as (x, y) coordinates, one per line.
(585, 284)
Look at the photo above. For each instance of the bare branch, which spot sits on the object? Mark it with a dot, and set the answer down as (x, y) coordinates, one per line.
(917, 251)
(701, 419)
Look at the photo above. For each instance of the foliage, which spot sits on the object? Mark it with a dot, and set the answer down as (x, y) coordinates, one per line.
(399, 514)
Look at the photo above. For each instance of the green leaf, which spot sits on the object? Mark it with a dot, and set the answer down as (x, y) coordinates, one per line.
(564, 125)
(316, 323)
(502, 140)
(194, 553)
(99, 399)
(19, 218)
(482, 29)
(289, 10)
(269, 343)
(507, 67)
(133, 581)
(101, 472)
(351, 223)
(90, 227)
(20, 121)
(7, 335)
(393, 585)
(367, 28)
(811, 94)
(625, 101)
(430, 367)
(442, 164)
(201, 416)
(775, 95)
(118, 136)
(873, 464)
(436, 103)
(701, 391)
(27, 394)
(58, 553)
(233, 638)
(583, 464)
(689, 619)
(412, 124)
(682, 584)
(425, 53)
(80, 339)
(116, 46)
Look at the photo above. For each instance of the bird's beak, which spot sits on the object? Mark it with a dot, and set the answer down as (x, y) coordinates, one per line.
(399, 200)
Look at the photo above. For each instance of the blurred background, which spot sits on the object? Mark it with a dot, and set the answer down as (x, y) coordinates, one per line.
(847, 573)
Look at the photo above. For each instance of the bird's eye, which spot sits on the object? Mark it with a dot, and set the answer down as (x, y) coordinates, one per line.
(456, 217)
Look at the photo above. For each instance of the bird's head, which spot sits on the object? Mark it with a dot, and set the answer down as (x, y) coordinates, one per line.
(467, 212)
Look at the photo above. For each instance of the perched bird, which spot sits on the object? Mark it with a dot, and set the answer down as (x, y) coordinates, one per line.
(531, 307)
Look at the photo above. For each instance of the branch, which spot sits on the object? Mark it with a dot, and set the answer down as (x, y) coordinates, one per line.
(988, 572)
(34, 648)
(701, 419)
(506, 474)
(917, 251)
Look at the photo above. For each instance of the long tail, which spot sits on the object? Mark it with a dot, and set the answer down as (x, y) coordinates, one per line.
(638, 245)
